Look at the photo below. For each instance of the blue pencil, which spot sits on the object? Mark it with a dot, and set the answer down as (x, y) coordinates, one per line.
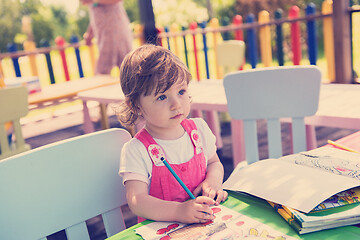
(177, 178)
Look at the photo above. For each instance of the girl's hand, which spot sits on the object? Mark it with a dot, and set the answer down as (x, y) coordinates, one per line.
(211, 191)
(196, 210)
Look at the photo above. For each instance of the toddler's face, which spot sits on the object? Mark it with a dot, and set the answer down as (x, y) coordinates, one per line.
(166, 110)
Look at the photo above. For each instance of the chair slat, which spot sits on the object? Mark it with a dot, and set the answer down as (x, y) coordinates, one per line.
(299, 134)
(20, 142)
(77, 232)
(274, 138)
(4, 143)
(113, 221)
(251, 143)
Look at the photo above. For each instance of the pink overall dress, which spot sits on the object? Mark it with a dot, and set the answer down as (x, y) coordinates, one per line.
(192, 173)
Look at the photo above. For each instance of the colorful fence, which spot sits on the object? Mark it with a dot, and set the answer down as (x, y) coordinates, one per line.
(284, 37)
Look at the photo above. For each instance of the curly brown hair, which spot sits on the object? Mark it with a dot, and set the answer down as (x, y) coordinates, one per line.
(147, 70)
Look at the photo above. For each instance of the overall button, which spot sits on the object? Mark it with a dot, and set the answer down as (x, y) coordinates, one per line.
(183, 169)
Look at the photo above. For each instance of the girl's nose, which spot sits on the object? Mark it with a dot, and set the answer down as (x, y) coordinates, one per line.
(175, 103)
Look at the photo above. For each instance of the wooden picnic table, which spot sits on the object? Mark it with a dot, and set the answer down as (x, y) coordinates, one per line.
(67, 91)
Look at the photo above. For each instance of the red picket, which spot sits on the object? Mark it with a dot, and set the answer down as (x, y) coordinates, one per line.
(193, 26)
(237, 21)
(60, 42)
(295, 35)
(239, 34)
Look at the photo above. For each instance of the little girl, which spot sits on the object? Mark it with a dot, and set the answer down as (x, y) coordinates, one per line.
(155, 85)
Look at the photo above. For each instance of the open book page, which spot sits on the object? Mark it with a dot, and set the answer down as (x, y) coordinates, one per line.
(228, 224)
(293, 185)
(333, 160)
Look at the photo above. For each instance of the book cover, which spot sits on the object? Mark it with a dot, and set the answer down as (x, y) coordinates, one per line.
(307, 223)
(343, 198)
(332, 216)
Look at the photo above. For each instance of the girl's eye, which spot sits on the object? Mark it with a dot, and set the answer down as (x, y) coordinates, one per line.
(161, 98)
(182, 92)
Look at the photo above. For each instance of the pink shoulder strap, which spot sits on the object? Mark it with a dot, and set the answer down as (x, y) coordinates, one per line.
(192, 131)
(155, 151)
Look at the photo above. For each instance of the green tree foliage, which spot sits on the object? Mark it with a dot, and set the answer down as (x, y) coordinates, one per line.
(30, 6)
(214, 7)
(60, 22)
(10, 22)
(42, 25)
(46, 22)
(81, 20)
(181, 12)
(132, 10)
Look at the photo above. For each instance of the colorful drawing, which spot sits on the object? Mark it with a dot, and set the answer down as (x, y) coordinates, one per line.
(343, 198)
(227, 224)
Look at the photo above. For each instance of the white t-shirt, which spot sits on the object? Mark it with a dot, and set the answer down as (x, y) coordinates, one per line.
(136, 164)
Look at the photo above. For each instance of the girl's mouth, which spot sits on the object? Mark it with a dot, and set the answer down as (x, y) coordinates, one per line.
(177, 116)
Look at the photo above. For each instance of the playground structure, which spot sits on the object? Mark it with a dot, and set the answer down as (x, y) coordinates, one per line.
(197, 46)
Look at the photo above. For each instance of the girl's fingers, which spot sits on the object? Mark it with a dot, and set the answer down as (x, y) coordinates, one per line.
(211, 194)
(221, 196)
(205, 200)
(205, 216)
(225, 195)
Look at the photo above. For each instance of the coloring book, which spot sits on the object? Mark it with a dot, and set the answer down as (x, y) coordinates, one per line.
(228, 224)
(299, 181)
(350, 196)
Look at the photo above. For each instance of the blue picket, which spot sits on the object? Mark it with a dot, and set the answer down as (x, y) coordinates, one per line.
(203, 26)
(251, 41)
(279, 38)
(311, 33)
(166, 29)
(12, 48)
(45, 43)
(75, 39)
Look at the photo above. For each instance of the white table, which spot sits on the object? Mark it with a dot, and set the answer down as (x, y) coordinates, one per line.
(339, 107)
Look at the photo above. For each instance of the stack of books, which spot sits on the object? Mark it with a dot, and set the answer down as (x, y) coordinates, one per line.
(312, 191)
(341, 209)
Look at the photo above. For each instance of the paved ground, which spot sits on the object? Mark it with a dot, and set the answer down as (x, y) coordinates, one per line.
(50, 131)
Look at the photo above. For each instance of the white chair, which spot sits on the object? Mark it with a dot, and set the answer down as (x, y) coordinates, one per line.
(271, 94)
(61, 185)
(14, 105)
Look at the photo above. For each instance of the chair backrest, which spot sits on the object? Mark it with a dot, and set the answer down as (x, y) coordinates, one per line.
(14, 105)
(60, 185)
(271, 94)
(230, 54)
